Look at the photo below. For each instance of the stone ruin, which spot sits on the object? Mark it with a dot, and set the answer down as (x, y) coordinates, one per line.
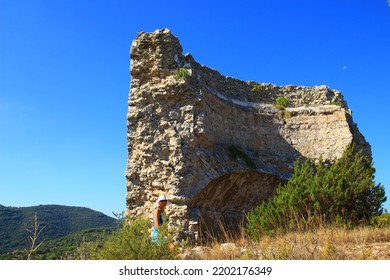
(215, 145)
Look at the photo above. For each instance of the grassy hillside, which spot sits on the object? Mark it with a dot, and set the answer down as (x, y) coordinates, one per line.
(67, 247)
(57, 221)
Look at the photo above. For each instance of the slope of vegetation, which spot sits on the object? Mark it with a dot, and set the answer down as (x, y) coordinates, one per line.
(67, 247)
(55, 220)
(325, 211)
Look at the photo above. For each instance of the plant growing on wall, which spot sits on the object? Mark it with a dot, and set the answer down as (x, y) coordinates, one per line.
(181, 74)
(336, 103)
(281, 102)
(256, 88)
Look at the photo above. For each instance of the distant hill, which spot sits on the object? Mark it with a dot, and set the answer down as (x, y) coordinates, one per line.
(68, 247)
(57, 221)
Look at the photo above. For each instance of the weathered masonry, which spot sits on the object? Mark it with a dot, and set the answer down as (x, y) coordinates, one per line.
(218, 146)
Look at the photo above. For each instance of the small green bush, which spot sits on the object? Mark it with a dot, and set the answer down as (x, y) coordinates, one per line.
(281, 102)
(381, 221)
(181, 74)
(343, 193)
(256, 88)
(336, 103)
(133, 242)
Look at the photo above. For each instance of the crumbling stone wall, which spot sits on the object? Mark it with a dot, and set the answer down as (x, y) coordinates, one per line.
(214, 146)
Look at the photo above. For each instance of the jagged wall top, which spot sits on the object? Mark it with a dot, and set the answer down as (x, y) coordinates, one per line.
(155, 54)
(159, 54)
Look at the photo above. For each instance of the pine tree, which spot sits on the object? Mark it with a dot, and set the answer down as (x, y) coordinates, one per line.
(344, 192)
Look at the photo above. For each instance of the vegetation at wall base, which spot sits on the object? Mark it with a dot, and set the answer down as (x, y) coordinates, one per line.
(323, 242)
(131, 242)
(323, 212)
(343, 193)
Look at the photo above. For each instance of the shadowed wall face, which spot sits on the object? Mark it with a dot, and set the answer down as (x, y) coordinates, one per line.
(224, 202)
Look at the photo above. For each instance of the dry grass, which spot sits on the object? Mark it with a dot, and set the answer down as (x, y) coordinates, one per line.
(335, 243)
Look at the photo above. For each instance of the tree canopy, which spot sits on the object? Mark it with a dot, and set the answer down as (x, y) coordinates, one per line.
(343, 192)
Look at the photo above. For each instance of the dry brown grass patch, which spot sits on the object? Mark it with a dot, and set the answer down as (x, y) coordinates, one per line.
(332, 243)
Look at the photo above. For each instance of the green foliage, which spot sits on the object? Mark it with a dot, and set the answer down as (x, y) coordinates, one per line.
(235, 153)
(181, 74)
(281, 102)
(66, 247)
(257, 88)
(344, 192)
(133, 242)
(381, 221)
(57, 220)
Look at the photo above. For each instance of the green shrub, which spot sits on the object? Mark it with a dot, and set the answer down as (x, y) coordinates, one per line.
(344, 192)
(281, 102)
(336, 103)
(133, 242)
(181, 74)
(381, 221)
(256, 88)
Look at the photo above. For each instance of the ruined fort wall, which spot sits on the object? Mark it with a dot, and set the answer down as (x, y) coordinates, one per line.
(213, 145)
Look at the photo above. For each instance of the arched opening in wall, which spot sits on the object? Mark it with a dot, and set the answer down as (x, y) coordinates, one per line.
(224, 202)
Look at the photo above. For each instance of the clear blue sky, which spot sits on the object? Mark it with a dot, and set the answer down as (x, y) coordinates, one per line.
(64, 79)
